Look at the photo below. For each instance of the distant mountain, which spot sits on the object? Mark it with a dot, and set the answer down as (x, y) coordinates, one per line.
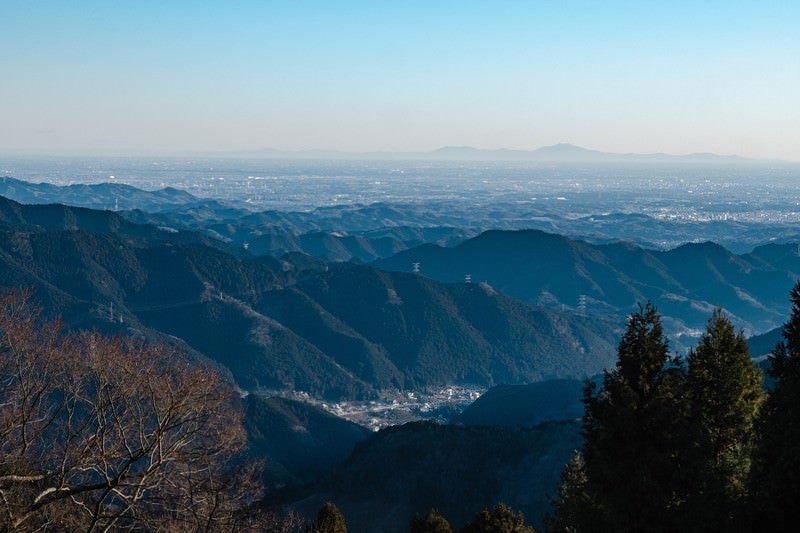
(111, 196)
(58, 217)
(764, 344)
(335, 331)
(562, 152)
(362, 247)
(686, 283)
(461, 220)
(364, 233)
(458, 470)
(268, 233)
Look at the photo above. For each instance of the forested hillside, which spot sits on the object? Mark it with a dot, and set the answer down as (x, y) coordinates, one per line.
(686, 283)
(342, 331)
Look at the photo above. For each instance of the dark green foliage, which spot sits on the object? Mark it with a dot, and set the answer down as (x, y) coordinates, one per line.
(667, 450)
(432, 522)
(574, 508)
(501, 519)
(725, 395)
(775, 478)
(329, 520)
(634, 431)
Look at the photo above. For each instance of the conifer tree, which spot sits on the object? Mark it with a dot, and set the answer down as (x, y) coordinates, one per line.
(501, 519)
(634, 430)
(329, 520)
(725, 395)
(574, 506)
(775, 476)
(432, 522)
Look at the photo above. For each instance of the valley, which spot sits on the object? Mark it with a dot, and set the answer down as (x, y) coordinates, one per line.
(399, 267)
(394, 407)
(357, 334)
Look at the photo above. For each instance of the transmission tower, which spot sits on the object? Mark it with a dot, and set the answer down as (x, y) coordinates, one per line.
(582, 305)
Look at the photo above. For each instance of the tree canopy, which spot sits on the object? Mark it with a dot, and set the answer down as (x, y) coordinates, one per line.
(329, 520)
(500, 519)
(775, 476)
(632, 431)
(725, 395)
(105, 433)
(432, 522)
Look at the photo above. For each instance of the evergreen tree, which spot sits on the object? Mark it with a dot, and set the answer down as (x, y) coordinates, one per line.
(432, 522)
(775, 477)
(725, 395)
(329, 520)
(634, 431)
(501, 519)
(574, 506)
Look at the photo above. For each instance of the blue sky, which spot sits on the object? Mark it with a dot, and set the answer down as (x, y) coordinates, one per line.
(147, 77)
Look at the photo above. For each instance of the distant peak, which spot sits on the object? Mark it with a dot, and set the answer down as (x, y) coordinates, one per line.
(449, 149)
(559, 152)
(564, 146)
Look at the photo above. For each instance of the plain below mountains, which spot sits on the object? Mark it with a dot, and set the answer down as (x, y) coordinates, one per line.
(335, 331)
(364, 233)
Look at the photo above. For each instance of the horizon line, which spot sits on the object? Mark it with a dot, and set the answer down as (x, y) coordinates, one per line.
(440, 153)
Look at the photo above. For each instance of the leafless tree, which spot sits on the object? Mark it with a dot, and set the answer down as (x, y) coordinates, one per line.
(102, 433)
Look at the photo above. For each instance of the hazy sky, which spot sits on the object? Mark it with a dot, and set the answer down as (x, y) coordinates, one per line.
(157, 77)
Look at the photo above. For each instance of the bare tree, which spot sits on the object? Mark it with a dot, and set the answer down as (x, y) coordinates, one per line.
(102, 433)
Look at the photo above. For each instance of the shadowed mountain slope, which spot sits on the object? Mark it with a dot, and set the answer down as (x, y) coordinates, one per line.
(525, 405)
(458, 470)
(342, 331)
(297, 441)
(686, 283)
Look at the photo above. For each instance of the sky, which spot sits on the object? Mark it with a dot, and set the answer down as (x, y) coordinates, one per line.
(158, 78)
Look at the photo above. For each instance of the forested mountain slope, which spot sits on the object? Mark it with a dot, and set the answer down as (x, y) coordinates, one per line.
(342, 331)
(458, 470)
(685, 283)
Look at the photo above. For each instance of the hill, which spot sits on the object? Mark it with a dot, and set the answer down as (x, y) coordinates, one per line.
(525, 405)
(365, 232)
(298, 442)
(341, 331)
(458, 470)
(686, 283)
(96, 196)
(763, 345)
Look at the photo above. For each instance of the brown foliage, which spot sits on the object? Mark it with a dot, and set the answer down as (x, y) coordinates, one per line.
(99, 433)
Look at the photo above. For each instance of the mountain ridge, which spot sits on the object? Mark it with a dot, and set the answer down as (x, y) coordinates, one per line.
(560, 152)
(686, 282)
(335, 331)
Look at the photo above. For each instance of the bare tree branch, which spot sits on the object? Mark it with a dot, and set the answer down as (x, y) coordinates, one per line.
(105, 433)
